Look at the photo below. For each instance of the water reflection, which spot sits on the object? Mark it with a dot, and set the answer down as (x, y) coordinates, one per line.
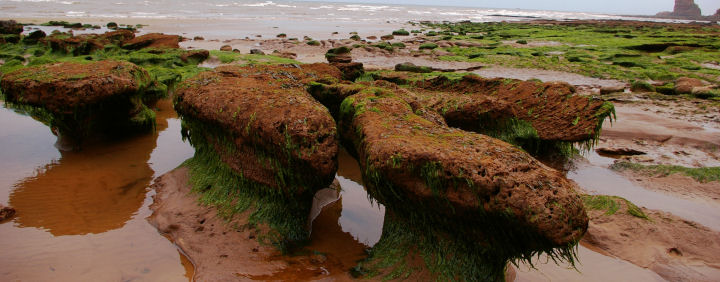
(81, 215)
(89, 191)
(360, 217)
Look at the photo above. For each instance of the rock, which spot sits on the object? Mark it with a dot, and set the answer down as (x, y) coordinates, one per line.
(236, 51)
(196, 56)
(351, 70)
(9, 38)
(34, 36)
(439, 184)
(257, 52)
(619, 151)
(112, 25)
(550, 110)
(267, 135)
(10, 27)
(410, 67)
(685, 85)
(339, 55)
(386, 37)
(237, 100)
(342, 59)
(84, 44)
(687, 8)
(226, 48)
(287, 55)
(611, 89)
(372, 37)
(78, 99)
(705, 92)
(198, 38)
(6, 213)
(153, 40)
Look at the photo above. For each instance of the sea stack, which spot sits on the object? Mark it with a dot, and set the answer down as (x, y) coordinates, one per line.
(684, 9)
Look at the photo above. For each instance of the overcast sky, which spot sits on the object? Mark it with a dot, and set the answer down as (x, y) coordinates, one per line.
(635, 7)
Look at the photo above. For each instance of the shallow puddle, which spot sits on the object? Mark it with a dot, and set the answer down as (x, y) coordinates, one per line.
(546, 75)
(597, 178)
(81, 215)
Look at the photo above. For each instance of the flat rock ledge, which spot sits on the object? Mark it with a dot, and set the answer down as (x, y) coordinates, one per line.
(79, 99)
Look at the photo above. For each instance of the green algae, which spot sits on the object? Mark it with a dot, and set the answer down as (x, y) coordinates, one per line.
(653, 52)
(613, 204)
(234, 195)
(701, 174)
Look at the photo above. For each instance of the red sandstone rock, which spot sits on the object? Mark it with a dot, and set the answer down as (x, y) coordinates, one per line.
(153, 40)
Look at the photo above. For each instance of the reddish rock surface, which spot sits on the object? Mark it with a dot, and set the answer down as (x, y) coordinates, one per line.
(86, 43)
(686, 8)
(198, 55)
(64, 87)
(268, 113)
(153, 40)
(419, 161)
(79, 99)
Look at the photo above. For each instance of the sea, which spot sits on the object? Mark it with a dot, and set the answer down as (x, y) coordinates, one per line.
(228, 19)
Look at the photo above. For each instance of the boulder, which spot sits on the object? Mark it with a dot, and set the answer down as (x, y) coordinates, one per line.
(410, 67)
(257, 52)
(226, 48)
(196, 56)
(339, 55)
(77, 99)
(153, 40)
(266, 134)
(286, 55)
(387, 37)
(34, 36)
(474, 200)
(514, 110)
(10, 27)
(611, 89)
(6, 213)
(85, 44)
(685, 85)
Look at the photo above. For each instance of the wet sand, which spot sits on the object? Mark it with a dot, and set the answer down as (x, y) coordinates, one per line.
(224, 251)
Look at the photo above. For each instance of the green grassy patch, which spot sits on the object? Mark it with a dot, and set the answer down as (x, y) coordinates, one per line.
(612, 204)
(702, 174)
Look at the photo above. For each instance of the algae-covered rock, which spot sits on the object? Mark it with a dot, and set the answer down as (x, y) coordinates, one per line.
(153, 40)
(10, 27)
(476, 201)
(85, 44)
(77, 99)
(276, 143)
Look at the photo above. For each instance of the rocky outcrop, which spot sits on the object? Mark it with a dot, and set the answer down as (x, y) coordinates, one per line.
(684, 9)
(77, 99)
(85, 44)
(10, 31)
(540, 117)
(474, 200)
(10, 27)
(196, 56)
(153, 40)
(6, 213)
(260, 126)
(341, 58)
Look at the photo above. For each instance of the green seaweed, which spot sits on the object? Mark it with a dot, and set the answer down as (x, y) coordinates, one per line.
(701, 174)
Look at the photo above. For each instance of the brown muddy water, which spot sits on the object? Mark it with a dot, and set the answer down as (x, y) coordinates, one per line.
(81, 215)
